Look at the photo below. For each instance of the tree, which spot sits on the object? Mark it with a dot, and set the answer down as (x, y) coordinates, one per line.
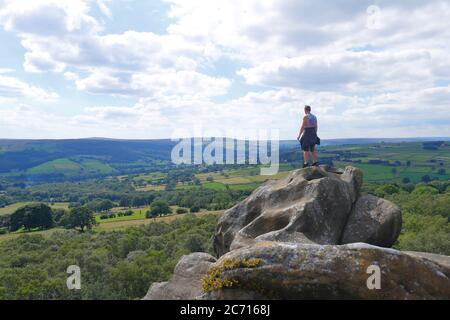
(181, 210)
(5, 221)
(139, 201)
(150, 214)
(32, 216)
(424, 190)
(101, 205)
(387, 189)
(171, 185)
(125, 201)
(159, 207)
(195, 243)
(442, 172)
(58, 214)
(426, 178)
(79, 218)
(194, 209)
(406, 180)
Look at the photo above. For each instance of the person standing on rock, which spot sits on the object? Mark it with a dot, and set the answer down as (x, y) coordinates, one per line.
(308, 137)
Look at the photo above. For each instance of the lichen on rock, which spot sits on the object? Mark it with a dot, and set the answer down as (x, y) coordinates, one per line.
(213, 280)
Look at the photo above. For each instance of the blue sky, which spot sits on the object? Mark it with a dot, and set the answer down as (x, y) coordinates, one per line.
(154, 69)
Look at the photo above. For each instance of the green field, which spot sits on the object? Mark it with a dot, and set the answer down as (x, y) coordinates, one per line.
(242, 179)
(138, 214)
(150, 187)
(404, 162)
(13, 207)
(71, 167)
(152, 177)
(400, 161)
(119, 224)
(244, 187)
(248, 178)
(114, 224)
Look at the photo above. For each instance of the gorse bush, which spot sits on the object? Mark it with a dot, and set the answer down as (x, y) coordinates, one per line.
(114, 265)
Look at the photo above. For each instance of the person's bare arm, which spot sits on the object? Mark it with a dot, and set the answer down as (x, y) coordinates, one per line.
(302, 128)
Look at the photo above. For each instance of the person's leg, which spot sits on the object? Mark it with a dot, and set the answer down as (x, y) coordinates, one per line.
(314, 156)
(305, 158)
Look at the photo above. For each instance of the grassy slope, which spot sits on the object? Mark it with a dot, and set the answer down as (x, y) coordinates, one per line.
(421, 161)
(13, 207)
(114, 225)
(71, 167)
(65, 166)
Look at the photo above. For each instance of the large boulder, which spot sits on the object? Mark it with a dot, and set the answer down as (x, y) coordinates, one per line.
(274, 270)
(311, 205)
(312, 235)
(441, 260)
(373, 220)
(186, 282)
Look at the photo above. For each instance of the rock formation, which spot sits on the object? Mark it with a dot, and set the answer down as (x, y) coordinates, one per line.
(312, 235)
(186, 280)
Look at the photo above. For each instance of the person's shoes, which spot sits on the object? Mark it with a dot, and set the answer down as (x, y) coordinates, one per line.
(315, 164)
(305, 165)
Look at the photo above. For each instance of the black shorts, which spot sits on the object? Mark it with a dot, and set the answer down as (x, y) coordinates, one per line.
(309, 140)
(309, 148)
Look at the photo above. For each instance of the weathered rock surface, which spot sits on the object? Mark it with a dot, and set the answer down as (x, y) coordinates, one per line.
(374, 221)
(305, 271)
(441, 260)
(311, 235)
(309, 206)
(186, 281)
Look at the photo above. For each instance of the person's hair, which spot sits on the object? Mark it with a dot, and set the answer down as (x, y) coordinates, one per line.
(308, 108)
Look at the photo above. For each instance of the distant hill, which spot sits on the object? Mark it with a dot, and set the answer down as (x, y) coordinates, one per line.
(357, 141)
(49, 160)
(77, 157)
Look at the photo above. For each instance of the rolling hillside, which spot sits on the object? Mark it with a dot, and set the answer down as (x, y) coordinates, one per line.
(37, 161)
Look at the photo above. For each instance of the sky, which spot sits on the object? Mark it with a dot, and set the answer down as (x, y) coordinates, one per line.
(138, 69)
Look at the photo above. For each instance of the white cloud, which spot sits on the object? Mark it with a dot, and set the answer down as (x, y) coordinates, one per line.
(6, 70)
(389, 80)
(28, 122)
(129, 64)
(154, 83)
(11, 87)
(104, 9)
(323, 45)
(47, 17)
(339, 115)
(348, 71)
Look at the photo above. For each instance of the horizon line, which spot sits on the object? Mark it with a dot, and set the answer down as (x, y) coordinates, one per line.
(224, 137)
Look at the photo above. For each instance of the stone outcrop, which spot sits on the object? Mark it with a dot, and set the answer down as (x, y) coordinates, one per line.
(312, 235)
(186, 282)
(310, 206)
(374, 221)
(309, 271)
